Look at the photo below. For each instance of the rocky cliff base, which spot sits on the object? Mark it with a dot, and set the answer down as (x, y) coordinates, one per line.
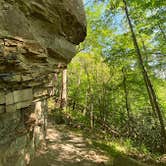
(37, 40)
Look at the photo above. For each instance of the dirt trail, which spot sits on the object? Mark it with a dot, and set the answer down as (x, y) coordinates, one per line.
(67, 148)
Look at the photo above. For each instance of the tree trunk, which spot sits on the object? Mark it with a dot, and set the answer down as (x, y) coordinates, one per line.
(126, 100)
(64, 90)
(91, 116)
(149, 86)
(90, 94)
(149, 90)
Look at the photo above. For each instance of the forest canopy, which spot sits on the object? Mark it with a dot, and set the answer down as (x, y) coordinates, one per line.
(117, 81)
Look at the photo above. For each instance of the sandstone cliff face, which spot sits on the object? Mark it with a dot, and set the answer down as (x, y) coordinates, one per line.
(37, 39)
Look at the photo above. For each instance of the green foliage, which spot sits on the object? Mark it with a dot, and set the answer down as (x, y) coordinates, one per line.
(106, 85)
(111, 150)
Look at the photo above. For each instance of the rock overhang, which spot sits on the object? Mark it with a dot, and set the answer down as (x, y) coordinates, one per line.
(56, 25)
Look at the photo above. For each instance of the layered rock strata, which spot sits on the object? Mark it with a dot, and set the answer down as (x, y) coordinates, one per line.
(37, 39)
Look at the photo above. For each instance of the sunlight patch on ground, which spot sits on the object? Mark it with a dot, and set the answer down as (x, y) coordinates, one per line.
(67, 148)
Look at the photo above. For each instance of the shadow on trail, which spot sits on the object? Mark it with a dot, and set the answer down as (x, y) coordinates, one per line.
(67, 148)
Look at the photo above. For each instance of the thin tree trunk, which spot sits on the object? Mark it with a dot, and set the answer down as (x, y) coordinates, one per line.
(145, 50)
(64, 89)
(91, 116)
(103, 109)
(149, 90)
(126, 99)
(74, 104)
(86, 101)
(91, 98)
(147, 81)
(77, 92)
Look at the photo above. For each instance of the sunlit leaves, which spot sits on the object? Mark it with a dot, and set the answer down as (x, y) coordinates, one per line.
(108, 49)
